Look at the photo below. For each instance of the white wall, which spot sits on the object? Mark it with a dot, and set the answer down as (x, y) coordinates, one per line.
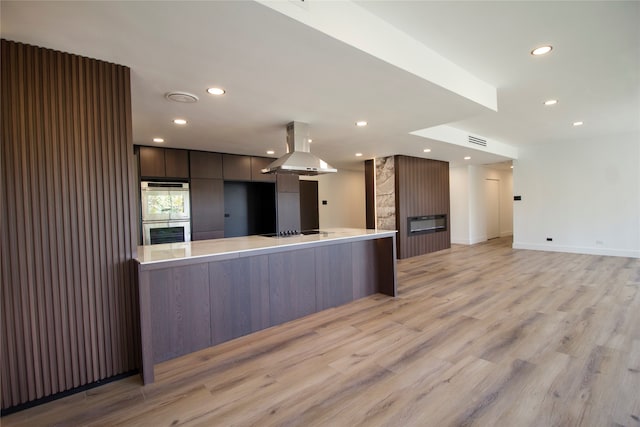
(468, 207)
(585, 195)
(344, 192)
(459, 199)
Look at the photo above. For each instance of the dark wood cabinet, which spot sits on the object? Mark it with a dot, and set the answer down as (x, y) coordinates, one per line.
(259, 163)
(236, 167)
(292, 285)
(334, 276)
(239, 297)
(205, 165)
(156, 162)
(176, 163)
(207, 208)
(151, 161)
(180, 301)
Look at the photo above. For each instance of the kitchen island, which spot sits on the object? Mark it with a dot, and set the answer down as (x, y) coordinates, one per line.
(198, 294)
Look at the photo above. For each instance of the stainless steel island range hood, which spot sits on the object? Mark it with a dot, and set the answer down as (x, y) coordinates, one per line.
(299, 160)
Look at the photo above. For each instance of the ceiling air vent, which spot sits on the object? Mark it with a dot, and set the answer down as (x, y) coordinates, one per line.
(477, 141)
(184, 97)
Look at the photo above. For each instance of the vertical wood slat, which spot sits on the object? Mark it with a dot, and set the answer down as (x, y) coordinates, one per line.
(422, 188)
(69, 310)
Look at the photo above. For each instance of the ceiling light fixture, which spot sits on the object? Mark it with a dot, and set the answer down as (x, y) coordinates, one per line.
(361, 123)
(578, 123)
(467, 158)
(542, 50)
(216, 91)
(310, 140)
(271, 152)
(180, 121)
(358, 154)
(158, 140)
(551, 102)
(427, 150)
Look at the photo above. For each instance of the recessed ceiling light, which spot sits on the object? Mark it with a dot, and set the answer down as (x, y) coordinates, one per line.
(270, 152)
(551, 102)
(358, 154)
(361, 123)
(511, 166)
(180, 121)
(467, 158)
(541, 50)
(215, 91)
(578, 123)
(158, 140)
(310, 140)
(427, 150)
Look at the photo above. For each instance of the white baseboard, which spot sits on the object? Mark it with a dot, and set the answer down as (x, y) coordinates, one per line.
(578, 250)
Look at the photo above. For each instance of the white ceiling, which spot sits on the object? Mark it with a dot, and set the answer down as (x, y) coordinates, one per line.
(276, 70)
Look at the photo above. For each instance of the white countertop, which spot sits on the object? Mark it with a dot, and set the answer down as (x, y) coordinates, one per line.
(221, 248)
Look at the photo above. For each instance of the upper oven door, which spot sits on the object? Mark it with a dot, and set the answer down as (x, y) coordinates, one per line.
(165, 201)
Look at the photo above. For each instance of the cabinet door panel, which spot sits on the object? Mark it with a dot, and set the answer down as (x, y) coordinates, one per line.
(334, 276)
(176, 163)
(239, 297)
(292, 285)
(205, 164)
(152, 162)
(236, 168)
(180, 312)
(207, 205)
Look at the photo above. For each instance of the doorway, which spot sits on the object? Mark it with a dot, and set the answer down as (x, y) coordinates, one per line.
(309, 216)
(492, 192)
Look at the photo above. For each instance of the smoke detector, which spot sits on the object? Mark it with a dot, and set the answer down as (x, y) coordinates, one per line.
(184, 97)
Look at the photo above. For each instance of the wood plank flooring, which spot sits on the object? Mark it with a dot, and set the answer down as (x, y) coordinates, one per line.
(482, 335)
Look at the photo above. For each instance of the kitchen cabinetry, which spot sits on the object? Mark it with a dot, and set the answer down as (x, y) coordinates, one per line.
(207, 207)
(292, 285)
(205, 165)
(239, 297)
(259, 163)
(158, 162)
(207, 195)
(236, 167)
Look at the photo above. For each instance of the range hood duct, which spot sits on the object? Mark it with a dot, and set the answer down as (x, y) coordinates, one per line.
(298, 160)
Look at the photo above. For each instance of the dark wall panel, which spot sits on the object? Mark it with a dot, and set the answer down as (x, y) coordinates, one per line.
(69, 303)
(422, 188)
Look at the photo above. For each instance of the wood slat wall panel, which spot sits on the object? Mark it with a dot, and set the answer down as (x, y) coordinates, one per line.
(69, 301)
(422, 188)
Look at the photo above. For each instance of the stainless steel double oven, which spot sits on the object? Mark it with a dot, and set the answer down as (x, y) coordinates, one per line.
(165, 210)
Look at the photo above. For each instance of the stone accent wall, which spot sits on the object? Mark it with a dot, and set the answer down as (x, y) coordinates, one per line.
(385, 194)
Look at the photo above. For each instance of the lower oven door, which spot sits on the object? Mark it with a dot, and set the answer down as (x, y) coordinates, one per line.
(154, 233)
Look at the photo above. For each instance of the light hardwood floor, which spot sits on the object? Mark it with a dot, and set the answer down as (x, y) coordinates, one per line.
(481, 335)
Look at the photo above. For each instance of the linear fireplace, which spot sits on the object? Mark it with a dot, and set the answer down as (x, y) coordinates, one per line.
(426, 224)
